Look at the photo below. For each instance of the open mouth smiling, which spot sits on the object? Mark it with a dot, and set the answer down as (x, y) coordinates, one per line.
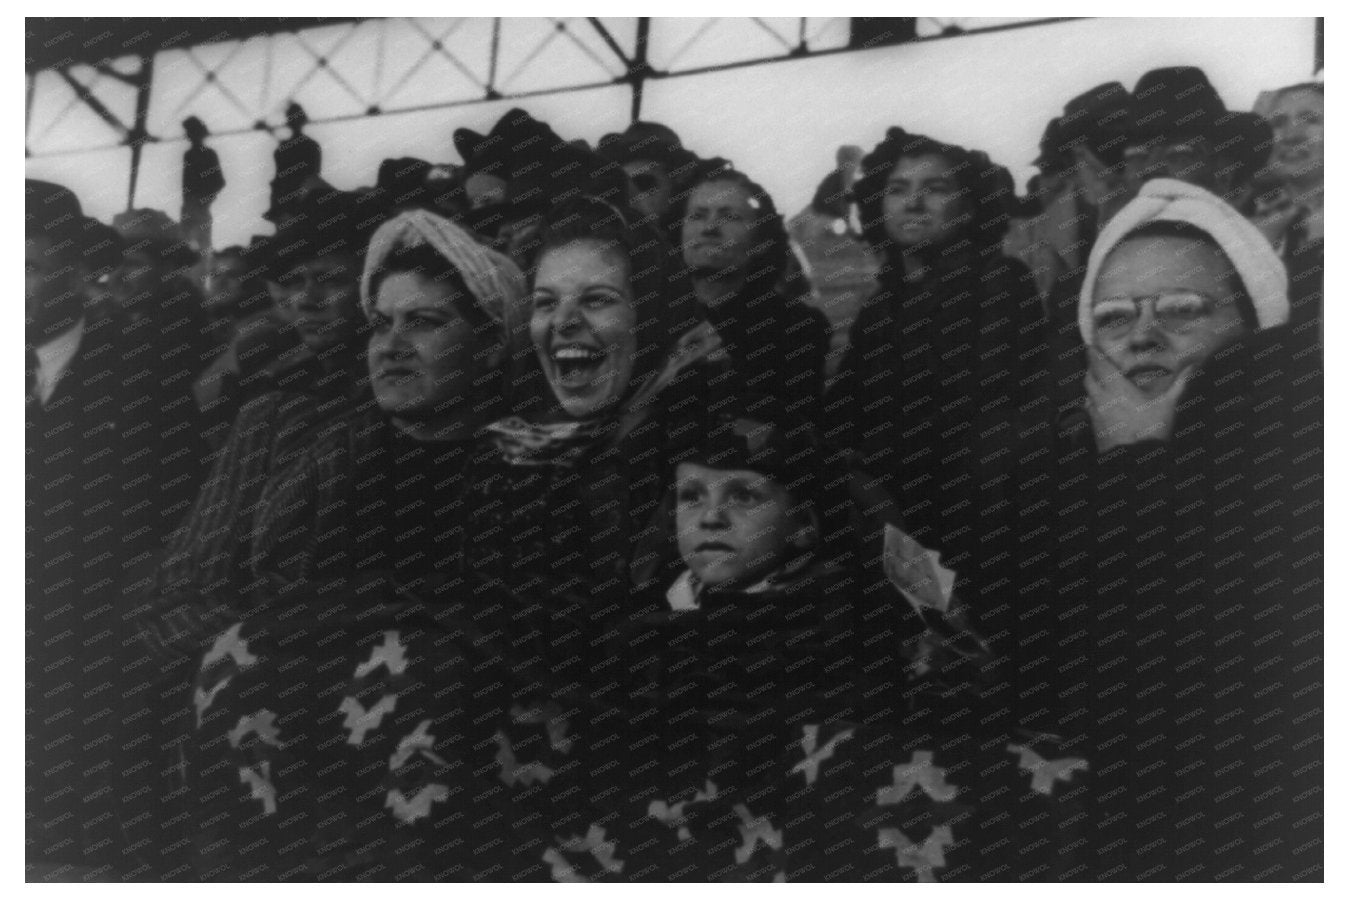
(577, 365)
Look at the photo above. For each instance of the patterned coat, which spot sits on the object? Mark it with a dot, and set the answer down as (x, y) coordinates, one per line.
(484, 738)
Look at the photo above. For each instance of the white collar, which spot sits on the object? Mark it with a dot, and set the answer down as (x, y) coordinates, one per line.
(54, 358)
(687, 589)
(683, 594)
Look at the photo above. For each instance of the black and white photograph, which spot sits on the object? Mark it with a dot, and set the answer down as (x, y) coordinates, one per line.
(670, 449)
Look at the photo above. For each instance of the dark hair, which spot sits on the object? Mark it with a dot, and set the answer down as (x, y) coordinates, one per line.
(1165, 229)
(987, 186)
(662, 296)
(771, 248)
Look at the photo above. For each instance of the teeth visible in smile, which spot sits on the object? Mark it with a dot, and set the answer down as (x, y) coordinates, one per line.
(569, 354)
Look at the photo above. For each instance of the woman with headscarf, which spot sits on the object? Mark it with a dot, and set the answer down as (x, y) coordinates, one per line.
(1189, 520)
(355, 547)
(762, 339)
(941, 389)
(443, 311)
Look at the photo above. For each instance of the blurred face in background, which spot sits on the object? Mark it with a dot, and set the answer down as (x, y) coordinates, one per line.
(321, 298)
(228, 286)
(53, 290)
(1184, 159)
(422, 349)
(484, 190)
(924, 205)
(583, 325)
(1162, 304)
(649, 188)
(719, 227)
(137, 283)
(1298, 120)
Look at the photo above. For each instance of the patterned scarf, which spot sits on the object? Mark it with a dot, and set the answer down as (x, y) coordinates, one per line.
(568, 444)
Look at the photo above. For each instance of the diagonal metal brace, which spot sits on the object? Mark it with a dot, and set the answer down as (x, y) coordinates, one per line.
(94, 103)
(609, 40)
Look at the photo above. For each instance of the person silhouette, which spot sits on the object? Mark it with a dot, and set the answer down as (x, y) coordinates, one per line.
(203, 181)
(298, 159)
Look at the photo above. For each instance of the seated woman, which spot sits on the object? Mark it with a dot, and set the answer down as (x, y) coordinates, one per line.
(1171, 527)
(762, 339)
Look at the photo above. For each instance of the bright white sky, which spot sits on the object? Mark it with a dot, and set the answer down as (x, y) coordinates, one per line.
(779, 122)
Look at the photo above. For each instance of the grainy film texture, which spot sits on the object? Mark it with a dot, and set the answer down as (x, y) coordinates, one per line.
(655, 449)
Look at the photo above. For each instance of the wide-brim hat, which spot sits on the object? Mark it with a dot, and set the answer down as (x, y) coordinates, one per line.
(1098, 119)
(645, 141)
(1177, 102)
(51, 210)
(151, 232)
(517, 146)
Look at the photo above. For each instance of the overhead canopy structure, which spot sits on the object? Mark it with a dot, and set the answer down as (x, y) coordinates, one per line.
(91, 72)
(106, 97)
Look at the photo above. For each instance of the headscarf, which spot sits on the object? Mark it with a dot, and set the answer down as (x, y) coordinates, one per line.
(496, 283)
(1167, 200)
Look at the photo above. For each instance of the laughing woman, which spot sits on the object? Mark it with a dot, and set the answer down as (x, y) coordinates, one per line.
(563, 493)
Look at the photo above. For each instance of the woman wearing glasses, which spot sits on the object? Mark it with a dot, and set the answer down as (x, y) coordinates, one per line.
(1176, 276)
(1188, 546)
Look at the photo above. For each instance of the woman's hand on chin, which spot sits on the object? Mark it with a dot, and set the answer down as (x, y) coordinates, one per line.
(1121, 412)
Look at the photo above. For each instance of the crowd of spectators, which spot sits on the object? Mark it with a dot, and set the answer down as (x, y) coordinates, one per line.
(570, 514)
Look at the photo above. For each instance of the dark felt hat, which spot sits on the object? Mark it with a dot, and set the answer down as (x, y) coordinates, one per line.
(645, 141)
(518, 145)
(51, 209)
(326, 223)
(151, 232)
(55, 211)
(1177, 102)
(1098, 119)
(753, 432)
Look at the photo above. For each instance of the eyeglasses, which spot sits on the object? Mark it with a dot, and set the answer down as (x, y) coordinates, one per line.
(1174, 311)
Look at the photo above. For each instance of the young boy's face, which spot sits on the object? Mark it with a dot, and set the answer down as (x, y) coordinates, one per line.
(734, 526)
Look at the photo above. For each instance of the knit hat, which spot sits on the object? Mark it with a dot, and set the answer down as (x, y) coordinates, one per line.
(751, 432)
(1166, 200)
(496, 283)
